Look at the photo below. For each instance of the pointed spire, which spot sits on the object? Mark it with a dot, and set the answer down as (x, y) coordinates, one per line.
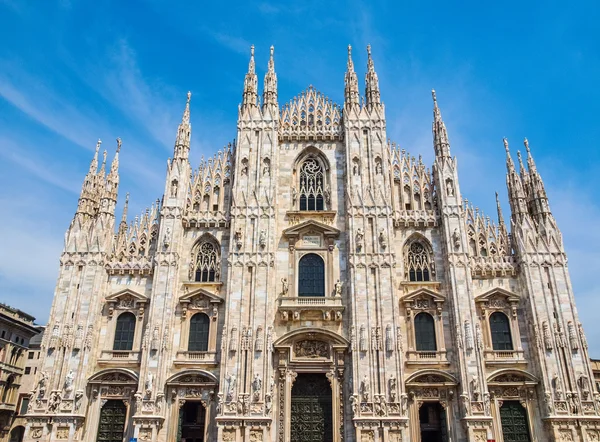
(270, 89)
(509, 162)
(522, 168)
(530, 162)
(499, 209)
(372, 82)
(250, 96)
(440, 134)
(115, 162)
(123, 225)
(184, 133)
(94, 163)
(102, 171)
(351, 94)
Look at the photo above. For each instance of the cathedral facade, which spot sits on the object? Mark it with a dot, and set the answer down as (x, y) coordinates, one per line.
(313, 282)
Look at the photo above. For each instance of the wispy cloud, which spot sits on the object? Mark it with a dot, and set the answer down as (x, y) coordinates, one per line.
(14, 152)
(233, 43)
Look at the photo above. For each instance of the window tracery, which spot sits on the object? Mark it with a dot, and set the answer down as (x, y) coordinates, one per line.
(418, 265)
(312, 185)
(205, 262)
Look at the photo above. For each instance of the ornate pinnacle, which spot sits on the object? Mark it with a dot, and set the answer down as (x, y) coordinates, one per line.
(118, 144)
(526, 143)
(271, 60)
(505, 141)
(251, 64)
(440, 135)
(350, 63)
(372, 89)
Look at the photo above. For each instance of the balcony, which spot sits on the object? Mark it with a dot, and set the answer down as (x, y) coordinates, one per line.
(504, 357)
(196, 358)
(299, 308)
(119, 357)
(426, 357)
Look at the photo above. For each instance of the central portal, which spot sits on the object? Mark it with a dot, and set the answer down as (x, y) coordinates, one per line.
(311, 419)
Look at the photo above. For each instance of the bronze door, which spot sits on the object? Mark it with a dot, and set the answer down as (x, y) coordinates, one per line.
(112, 421)
(311, 418)
(514, 422)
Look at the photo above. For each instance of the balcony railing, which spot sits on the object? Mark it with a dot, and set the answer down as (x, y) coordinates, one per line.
(504, 356)
(196, 357)
(120, 356)
(330, 308)
(426, 357)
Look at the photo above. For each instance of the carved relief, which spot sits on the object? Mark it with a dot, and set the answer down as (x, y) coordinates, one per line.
(311, 349)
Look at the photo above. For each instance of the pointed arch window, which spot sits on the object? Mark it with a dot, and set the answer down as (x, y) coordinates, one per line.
(418, 265)
(199, 325)
(205, 262)
(500, 331)
(312, 185)
(425, 332)
(124, 332)
(311, 275)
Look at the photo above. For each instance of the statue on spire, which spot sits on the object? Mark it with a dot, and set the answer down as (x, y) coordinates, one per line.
(351, 94)
(250, 96)
(372, 93)
(440, 134)
(270, 89)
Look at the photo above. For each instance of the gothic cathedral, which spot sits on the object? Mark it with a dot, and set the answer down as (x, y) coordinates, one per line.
(314, 282)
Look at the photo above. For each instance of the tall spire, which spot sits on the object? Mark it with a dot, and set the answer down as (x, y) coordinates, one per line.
(250, 83)
(351, 94)
(184, 133)
(530, 162)
(372, 82)
(112, 181)
(123, 224)
(270, 90)
(94, 163)
(440, 134)
(89, 197)
(499, 210)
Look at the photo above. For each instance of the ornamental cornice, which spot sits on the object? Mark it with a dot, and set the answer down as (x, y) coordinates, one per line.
(172, 212)
(266, 259)
(83, 258)
(218, 220)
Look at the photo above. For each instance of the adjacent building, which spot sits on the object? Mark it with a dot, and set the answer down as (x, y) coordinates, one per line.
(17, 329)
(313, 281)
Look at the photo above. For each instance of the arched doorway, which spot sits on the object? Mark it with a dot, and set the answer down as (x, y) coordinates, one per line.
(432, 422)
(192, 422)
(16, 434)
(112, 421)
(513, 418)
(311, 417)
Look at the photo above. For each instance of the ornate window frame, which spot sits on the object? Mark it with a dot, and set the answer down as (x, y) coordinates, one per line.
(205, 238)
(124, 301)
(311, 237)
(311, 153)
(424, 300)
(500, 300)
(192, 302)
(427, 250)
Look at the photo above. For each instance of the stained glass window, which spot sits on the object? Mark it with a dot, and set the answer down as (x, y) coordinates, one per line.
(312, 185)
(198, 340)
(205, 262)
(311, 276)
(417, 263)
(500, 328)
(124, 332)
(425, 332)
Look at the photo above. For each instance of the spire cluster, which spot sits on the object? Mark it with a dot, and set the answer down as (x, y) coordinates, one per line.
(99, 192)
(526, 191)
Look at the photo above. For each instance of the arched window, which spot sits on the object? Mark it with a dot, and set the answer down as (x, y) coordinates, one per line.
(198, 340)
(417, 263)
(124, 332)
(312, 185)
(205, 262)
(500, 329)
(425, 332)
(311, 276)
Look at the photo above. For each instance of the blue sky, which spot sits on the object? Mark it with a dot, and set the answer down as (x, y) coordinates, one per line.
(75, 71)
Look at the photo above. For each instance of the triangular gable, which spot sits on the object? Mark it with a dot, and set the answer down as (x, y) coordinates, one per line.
(138, 297)
(326, 230)
(423, 291)
(212, 298)
(510, 296)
